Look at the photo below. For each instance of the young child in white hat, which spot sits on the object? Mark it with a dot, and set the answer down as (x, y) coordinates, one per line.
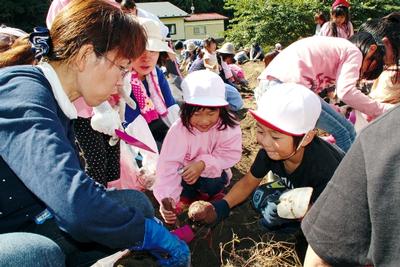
(200, 148)
(286, 117)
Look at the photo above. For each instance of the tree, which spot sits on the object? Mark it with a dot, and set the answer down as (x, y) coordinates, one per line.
(24, 14)
(270, 21)
(362, 10)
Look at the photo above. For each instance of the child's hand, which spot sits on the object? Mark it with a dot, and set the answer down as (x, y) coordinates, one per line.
(192, 171)
(167, 213)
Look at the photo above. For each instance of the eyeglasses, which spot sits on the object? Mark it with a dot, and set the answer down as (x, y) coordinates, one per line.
(124, 71)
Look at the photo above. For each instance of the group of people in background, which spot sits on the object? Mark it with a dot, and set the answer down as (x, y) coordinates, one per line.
(74, 96)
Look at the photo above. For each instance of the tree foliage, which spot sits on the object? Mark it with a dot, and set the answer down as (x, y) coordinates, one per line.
(271, 21)
(263, 21)
(24, 14)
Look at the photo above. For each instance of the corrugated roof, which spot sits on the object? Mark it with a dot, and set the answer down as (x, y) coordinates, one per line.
(163, 9)
(205, 16)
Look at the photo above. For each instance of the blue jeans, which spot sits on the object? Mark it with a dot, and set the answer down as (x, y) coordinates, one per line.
(337, 125)
(27, 249)
(46, 245)
(233, 97)
(209, 186)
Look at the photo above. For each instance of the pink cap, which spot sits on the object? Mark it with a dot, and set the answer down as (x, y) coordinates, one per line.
(340, 3)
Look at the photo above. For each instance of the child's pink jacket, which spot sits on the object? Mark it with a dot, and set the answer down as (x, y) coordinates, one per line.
(219, 150)
(318, 62)
(343, 31)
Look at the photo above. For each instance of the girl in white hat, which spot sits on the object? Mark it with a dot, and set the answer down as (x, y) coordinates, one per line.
(200, 148)
(286, 118)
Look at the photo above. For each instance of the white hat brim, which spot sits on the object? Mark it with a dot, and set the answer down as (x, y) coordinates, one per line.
(207, 101)
(158, 46)
(13, 31)
(222, 51)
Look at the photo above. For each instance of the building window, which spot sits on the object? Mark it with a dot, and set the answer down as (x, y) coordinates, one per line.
(199, 30)
(171, 28)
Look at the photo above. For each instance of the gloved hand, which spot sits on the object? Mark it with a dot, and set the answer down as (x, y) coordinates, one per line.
(125, 91)
(157, 239)
(209, 212)
(269, 192)
(271, 217)
(105, 119)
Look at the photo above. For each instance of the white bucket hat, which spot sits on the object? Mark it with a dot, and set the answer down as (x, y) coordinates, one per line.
(278, 46)
(204, 88)
(227, 48)
(288, 108)
(154, 38)
(12, 31)
(190, 47)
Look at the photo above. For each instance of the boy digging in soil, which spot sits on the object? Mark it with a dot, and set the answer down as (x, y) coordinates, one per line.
(286, 117)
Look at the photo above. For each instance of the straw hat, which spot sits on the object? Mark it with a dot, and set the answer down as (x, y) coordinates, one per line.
(227, 48)
(190, 47)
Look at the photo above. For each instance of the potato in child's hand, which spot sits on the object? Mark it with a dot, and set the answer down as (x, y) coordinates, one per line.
(203, 212)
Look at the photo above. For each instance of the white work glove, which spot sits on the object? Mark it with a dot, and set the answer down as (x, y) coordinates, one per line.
(125, 91)
(105, 119)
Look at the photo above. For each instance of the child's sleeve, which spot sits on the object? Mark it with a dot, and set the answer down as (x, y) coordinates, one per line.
(325, 30)
(347, 77)
(168, 181)
(351, 29)
(227, 153)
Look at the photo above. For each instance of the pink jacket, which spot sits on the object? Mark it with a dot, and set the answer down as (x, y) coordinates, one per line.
(237, 70)
(343, 31)
(219, 150)
(318, 62)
